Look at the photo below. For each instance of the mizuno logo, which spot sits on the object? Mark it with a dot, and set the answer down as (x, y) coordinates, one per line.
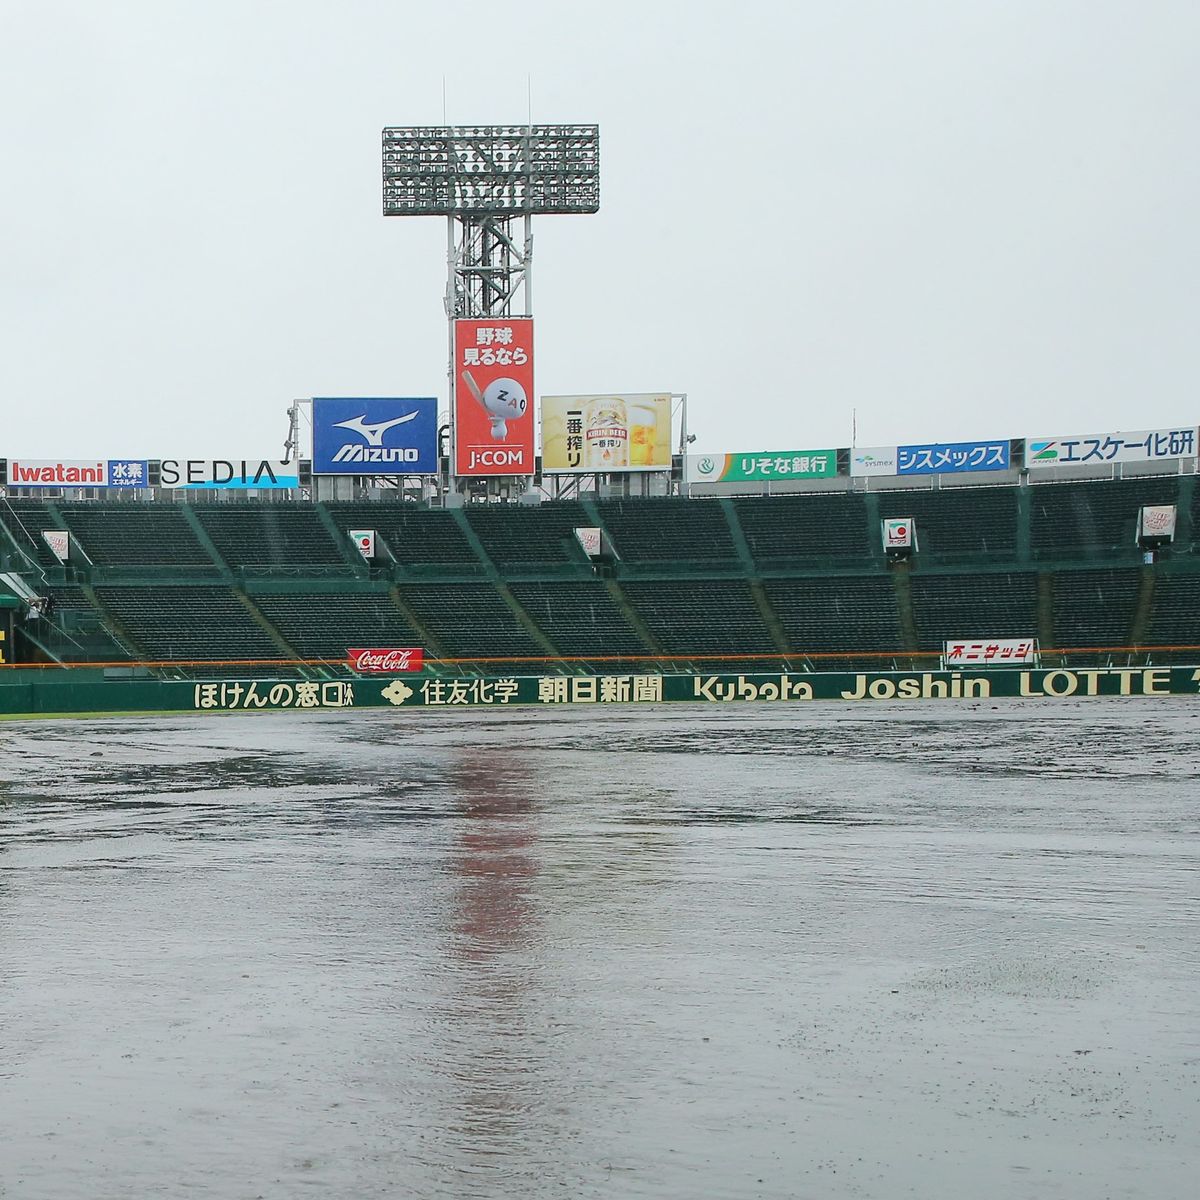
(373, 433)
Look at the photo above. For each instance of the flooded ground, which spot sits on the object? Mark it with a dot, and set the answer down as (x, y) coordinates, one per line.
(926, 950)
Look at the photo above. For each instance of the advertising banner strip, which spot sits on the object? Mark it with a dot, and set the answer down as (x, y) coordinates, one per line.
(989, 652)
(555, 690)
(128, 473)
(388, 660)
(241, 473)
(873, 460)
(1096, 449)
(606, 433)
(374, 436)
(899, 533)
(493, 397)
(944, 458)
(780, 465)
(59, 541)
(53, 472)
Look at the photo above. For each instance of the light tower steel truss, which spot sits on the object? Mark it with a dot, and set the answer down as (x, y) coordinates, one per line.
(488, 181)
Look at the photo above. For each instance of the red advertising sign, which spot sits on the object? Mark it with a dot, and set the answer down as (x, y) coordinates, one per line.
(493, 396)
(392, 661)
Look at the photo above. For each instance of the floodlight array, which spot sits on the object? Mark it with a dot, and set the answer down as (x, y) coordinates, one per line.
(477, 170)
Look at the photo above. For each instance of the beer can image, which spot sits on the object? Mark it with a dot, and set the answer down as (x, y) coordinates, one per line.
(606, 435)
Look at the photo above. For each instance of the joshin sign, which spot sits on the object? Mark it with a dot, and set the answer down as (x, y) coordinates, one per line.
(493, 396)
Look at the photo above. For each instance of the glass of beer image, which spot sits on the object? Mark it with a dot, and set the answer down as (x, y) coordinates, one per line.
(643, 434)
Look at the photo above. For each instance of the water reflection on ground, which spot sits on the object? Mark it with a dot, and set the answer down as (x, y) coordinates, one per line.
(924, 950)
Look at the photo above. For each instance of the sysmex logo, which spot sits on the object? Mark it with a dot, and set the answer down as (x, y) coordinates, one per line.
(381, 436)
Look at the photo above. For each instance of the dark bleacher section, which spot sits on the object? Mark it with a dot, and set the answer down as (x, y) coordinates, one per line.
(579, 618)
(75, 629)
(266, 536)
(668, 529)
(414, 535)
(1095, 607)
(325, 625)
(188, 622)
(839, 613)
(514, 535)
(145, 535)
(1175, 616)
(947, 607)
(713, 617)
(25, 520)
(470, 620)
(804, 528)
(958, 523)
(1093, 520)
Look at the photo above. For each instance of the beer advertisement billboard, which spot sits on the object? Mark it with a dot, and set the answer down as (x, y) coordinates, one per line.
(599, 434)
(493, 396)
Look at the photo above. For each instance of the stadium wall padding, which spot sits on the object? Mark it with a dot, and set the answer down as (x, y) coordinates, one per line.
(23, 696)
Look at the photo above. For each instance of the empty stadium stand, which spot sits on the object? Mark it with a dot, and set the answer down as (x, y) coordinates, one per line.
(830, 527)
(668, 529)
(325, 624)
(470, 620)
(795, 576)
(25, 520)
(138, 535)
(980, 605)
(716, 617)
(206, 622)
(1095, 607)
(958, 523)
(273, 537)
(841, 613)
(1093, 520)
(515, 536)
(580, 618)
(414, 536)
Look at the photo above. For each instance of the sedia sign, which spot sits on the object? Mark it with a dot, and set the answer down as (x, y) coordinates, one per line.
(228, 473)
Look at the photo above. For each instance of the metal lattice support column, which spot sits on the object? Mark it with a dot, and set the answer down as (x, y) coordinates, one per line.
(487, 266)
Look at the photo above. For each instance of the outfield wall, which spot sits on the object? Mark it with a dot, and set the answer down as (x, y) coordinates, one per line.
(95, 694)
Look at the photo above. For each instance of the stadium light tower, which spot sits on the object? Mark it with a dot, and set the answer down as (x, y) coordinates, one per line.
(488, 181)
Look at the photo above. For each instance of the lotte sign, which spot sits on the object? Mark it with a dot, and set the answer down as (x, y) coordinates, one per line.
(493, 396)
(395, 660)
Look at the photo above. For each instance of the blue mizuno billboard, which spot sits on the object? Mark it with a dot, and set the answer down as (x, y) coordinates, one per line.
(944, 458)
(374, 436)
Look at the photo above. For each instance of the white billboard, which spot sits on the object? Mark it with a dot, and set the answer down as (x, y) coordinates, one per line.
(240, 473)
(873, 460)
(1099, 449)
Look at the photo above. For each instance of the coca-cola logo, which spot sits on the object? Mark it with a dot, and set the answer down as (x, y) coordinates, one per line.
(395, 659)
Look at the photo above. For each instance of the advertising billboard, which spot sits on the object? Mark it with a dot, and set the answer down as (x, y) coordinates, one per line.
(1096, 449)
(873, 460)
(380, 435)
(239, 473)
(128, 473)
(761, 468)
(960, 653)
(59, 541)
(625, 432)
(493, 396)
(899, 534)
(55, 472)
(946, 458)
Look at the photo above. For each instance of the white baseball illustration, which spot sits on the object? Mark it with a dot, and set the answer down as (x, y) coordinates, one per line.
(503, 400)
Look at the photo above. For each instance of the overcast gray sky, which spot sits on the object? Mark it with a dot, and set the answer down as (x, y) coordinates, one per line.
(967, 219)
